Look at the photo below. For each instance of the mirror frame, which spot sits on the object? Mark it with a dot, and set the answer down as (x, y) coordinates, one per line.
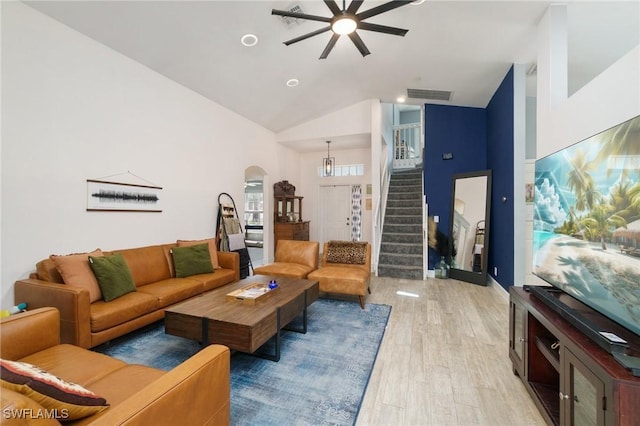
(479, 278)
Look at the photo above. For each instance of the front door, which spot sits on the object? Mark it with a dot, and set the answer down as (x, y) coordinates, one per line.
(335, 213)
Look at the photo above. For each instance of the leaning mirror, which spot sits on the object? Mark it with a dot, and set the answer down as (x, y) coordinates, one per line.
(470, 210)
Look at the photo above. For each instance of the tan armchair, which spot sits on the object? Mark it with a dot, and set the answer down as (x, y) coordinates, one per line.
(346, 269)
(294, 259)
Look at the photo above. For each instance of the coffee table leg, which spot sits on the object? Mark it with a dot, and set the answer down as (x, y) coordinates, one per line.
(205, 331)
(302, 330)
(276, 355)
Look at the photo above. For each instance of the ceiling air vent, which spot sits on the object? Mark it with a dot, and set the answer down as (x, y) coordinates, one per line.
(434, 95)
(292, 22)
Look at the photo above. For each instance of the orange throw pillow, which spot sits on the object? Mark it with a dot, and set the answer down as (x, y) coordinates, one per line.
(75, 271)
(212, 249)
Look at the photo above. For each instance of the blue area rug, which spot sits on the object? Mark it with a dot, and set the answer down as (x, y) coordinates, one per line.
(320, 379)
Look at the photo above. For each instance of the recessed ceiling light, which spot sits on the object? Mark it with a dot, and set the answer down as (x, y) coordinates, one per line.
(249, 40)
(417, 2)
(400, 99)
(293, 82)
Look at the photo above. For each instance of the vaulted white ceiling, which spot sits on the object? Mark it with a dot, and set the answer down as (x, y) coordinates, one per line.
(461, 46)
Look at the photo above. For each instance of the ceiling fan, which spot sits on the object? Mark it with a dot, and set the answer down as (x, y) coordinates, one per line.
(346, 21)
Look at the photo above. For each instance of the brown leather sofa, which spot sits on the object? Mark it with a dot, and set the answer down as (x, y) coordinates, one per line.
(294, 259)
(88, 324)
(195, 392)
(344, 273)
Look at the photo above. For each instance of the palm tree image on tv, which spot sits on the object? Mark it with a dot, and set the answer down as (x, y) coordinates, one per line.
(587, 222)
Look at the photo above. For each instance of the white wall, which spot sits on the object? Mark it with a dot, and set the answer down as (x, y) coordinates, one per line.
(73, 109)
(352, 120)
(310, 186)
(609, 99)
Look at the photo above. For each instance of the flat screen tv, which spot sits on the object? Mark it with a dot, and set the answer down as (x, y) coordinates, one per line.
(586, 233)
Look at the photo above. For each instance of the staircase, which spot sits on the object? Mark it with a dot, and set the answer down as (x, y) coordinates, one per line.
(401, 246)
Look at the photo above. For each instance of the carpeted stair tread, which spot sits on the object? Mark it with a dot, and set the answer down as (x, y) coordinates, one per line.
(400, 248)
(394, 271)
(401, 252)
(401, 259)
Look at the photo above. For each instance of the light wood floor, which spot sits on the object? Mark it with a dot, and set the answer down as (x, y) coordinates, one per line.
(444, 358)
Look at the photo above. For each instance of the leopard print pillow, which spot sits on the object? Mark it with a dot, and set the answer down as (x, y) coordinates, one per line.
(353, 253)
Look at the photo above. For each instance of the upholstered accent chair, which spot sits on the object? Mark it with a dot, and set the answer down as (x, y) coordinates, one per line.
(294, 259)
(345, 269)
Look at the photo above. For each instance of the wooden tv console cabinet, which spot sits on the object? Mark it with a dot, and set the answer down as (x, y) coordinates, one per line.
(571, 379)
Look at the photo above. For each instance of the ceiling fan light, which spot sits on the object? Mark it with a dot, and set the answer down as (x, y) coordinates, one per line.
(344, 25)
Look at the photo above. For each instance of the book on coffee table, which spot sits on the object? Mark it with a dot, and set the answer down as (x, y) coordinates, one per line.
(251, 293)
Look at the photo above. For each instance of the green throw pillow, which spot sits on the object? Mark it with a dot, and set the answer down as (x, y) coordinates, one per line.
(113, 275)
(192, 260)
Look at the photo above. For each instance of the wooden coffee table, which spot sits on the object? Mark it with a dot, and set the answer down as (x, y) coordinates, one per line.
(213, 318)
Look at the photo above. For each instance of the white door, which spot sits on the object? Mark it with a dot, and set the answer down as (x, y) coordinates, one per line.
(335, 213)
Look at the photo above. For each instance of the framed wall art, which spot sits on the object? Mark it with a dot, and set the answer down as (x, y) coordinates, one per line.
(115, 196)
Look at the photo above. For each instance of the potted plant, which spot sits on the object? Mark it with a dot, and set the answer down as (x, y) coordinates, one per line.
(443, 247)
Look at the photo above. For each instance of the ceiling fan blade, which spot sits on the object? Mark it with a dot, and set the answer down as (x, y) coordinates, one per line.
(332, 42)
(333, 6)
(355, 38)
(354, 6)
(382, 29)
(382, 8)
(306, 36)
(300, 15)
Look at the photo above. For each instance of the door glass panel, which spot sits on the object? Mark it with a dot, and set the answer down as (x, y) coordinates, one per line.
(584, 401)
(518, 337)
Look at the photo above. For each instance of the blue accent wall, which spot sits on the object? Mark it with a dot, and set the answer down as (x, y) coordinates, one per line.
(500, 128)
(478, 139)
(461, 131)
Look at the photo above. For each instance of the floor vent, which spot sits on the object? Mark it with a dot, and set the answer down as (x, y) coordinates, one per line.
(436, 95)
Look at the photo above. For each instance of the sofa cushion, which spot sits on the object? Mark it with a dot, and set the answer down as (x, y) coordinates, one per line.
(113, 275)
(221, 277)
(87, 366)
(284, 269)
(213, 251)
(69, 399)
(46, 270)
(75, 271)
(15, 402)
(341, 279)
(125, 382)
(192, 260)
(132, 305)
(147, 264)
(173, 290)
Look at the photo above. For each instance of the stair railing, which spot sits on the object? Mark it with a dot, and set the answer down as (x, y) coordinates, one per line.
(379, 212)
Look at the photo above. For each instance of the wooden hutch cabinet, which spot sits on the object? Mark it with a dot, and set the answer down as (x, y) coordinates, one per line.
(572, 380)
(287, 214)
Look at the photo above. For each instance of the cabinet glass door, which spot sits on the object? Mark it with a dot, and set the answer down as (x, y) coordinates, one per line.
(517, 337)
(584, 394)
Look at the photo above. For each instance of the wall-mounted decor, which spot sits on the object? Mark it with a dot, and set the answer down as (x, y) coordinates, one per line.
(116, 196)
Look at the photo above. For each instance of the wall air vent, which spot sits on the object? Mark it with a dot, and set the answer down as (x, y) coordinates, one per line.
(434, 95)
(292, 22)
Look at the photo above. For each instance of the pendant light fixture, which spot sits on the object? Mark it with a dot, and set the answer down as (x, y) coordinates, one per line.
(329, 163)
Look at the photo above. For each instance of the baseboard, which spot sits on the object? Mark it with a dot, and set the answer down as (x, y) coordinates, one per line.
(497, 287)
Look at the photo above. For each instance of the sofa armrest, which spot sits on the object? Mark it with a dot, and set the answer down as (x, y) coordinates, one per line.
(72, 302)
(29, 332)
(230, 260)
(198, 392)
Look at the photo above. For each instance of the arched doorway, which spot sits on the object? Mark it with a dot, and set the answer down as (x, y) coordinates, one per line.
(256, 215)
